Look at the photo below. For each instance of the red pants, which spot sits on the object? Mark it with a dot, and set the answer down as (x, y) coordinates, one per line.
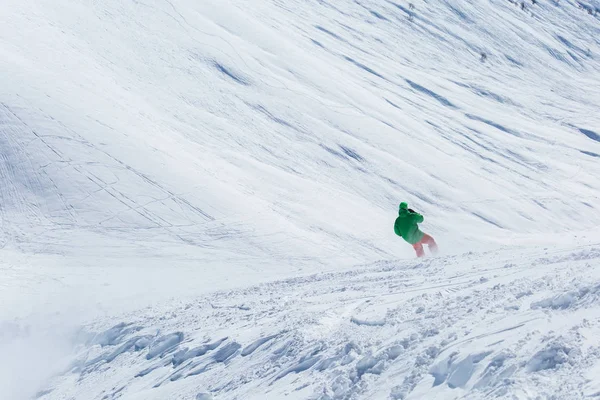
(428, 240)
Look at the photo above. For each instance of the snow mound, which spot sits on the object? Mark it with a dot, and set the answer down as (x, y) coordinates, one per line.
(464, 340)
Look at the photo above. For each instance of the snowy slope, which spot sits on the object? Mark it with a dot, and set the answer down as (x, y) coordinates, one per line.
(168, 149)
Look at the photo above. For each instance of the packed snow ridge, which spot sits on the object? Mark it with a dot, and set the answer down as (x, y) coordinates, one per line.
(197, 199)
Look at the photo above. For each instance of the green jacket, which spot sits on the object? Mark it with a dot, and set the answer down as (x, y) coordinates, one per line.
(406, 226)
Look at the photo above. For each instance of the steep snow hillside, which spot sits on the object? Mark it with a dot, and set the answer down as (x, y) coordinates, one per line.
(197, 199)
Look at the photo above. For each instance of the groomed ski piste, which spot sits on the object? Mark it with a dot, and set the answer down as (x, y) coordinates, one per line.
(197, 199)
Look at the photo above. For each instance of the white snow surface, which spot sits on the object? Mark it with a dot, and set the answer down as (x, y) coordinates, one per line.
(197, 199)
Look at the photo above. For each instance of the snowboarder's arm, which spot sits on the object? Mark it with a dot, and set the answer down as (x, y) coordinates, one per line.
(396, 228)
(418, 218)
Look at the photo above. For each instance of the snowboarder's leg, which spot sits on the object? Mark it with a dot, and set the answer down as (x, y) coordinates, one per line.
(419, 249)
(430, 242)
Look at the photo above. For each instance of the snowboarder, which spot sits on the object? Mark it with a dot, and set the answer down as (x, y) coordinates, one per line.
(406, 226)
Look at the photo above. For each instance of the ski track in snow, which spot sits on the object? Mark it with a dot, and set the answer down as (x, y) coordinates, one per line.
(206, 191)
